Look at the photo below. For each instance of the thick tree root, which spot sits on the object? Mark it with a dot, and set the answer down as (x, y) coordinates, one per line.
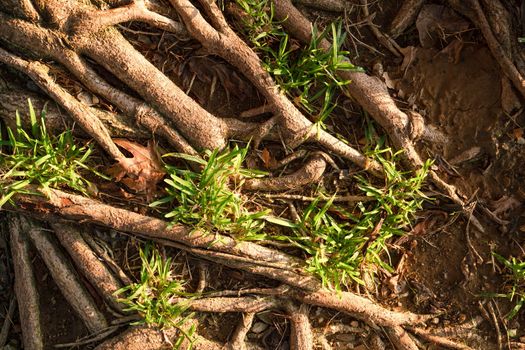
(25, 286)
(64, 275)
(39, 73)
(149, 338)
(301, 337)
(89, 264)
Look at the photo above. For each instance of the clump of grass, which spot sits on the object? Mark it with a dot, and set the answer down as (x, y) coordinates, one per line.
(211, 199)
(41, 159)
(515, 288)
(307, 75)
(340, 249)
(153, 295)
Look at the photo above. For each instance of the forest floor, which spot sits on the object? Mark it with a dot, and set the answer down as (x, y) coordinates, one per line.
(442, 265)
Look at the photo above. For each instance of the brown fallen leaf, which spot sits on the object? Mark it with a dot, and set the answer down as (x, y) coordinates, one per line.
(143, 171)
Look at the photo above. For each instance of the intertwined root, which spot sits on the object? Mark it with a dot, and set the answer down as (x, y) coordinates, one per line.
(76, 36)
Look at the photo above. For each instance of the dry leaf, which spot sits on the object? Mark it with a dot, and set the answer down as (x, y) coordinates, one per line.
(143, 171)
(267, 158)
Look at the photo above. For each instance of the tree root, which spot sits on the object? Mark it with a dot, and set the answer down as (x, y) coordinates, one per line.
(57, 121)
(66, 279)
(39, 73)
(405, 17)
(221, 40)
(237, 340)
(479, 18)
(311, 172)
(149, 338)
(89, 264)
(301, 337)
(25, 286)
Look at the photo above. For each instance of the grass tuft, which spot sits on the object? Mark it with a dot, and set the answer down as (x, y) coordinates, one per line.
(154, 294)
(307, 75)
(342, 245)
(40, 159)
(515, 288)
(211, 199)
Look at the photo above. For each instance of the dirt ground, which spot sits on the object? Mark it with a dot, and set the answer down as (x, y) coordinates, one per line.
(444, 266)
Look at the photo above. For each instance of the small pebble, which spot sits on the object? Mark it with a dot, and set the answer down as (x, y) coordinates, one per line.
(259, 327)
(354, 324)
(435, 320)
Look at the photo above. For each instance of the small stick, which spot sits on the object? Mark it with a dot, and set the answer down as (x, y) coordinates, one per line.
(25, 287)
(253, 112)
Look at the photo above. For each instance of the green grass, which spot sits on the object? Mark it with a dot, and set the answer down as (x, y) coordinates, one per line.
(40, 159)
(211, 199)
(340, 248)
(152, 296)
(515, 288)
(308, 74)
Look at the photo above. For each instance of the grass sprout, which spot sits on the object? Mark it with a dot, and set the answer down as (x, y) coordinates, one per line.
(154, 294)
(211, 199)
(40, 159)
(515, 288)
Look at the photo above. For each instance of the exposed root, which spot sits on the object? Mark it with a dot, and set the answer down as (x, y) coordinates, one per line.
(202, 270)
(57, 121)
(25, 286)
(435, 339)
(64, 275)
(104, 256)
(89, 264)
(405, 17)
(67, 206)
(478, 17)
(311, 172)
(400, 338)
(301, 337)
(237, 340)
(149, 338)
(38, 72)
(224, 42)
